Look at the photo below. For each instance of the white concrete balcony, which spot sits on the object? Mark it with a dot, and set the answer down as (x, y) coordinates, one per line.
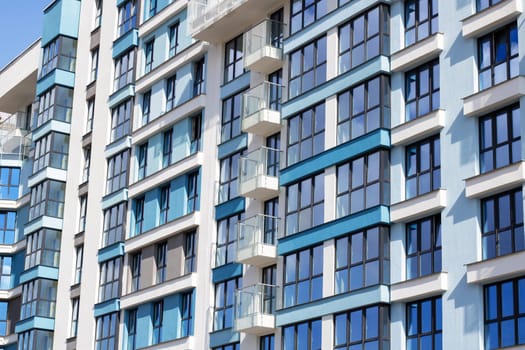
(258, 177)
(417, 54)
(255, 307)
(497, 269)
(419, 288)
(14, 137)
(418, 207)
(261, 109)
(488, 20)
(256, 241)
(418, 129)
(495, 181)
(217, 21)
(263, 44)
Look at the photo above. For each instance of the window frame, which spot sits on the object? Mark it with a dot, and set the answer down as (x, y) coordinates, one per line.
(135, 269)
(316, 68)
(171, 92)
(433, 171)
(124, 70)
(417, 93)
(233, 59)
(310, 138)
(161, 262)
(320, 9)
(226, 245)
(173, 38)
(293, 282)
(223, 312)
(106, 333)
(114, 224)
(415, 249)
(367, 334)
(295, 206)
(117, 173)
(436, 327)
(430, 23)
(110, 279)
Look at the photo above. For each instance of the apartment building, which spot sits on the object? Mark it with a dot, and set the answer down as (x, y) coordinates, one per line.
(230, 175)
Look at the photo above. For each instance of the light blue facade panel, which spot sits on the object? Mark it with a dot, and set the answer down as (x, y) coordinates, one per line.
(39, 271)
(233, 146)
(22, 216)
(125, 42)
(17, 268)
(62, 17)
(121, 95)
(224, 337)
(114, 198)
(225, 272)
(181, 139)
(230, 208)
(171, 317)
(106, 307)
(151, 208)
(178, 198)
(56, 77)
(144, 326)
(36, 322)
(49, 126)
(113, 251)
(236, 85)
(120, 2)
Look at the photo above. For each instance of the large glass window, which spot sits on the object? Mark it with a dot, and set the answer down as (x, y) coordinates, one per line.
(500, 139)
(306, 134)
(114, 220)
(52, 151)
(498, 56)
(43, 248)
(199, 76)
(120, 120)
(164, 204)
(7, 227)
(126, 17)
(223, 312)
(186, 314)
(47, 198)
(306, 12)
(9, 182)
(229, 180)
(505, 314)
(366, 328)
(421, 20)
(146, 107)
(303, 278)
(79, 257)
(422, 90)
(161, 251)
(109, 286)
(156, 321)
(60, 53)
(173, 39)
(363, 183)
(136, 262)
(192, 191)
(233, 62)
(55, 104)
(227, 239)
(106, 334)
(305, 204)
(484, 4)
(424, 325)
(124, 66)
(307, 67)
(148, 52)
(190, 252)
(423, 247)
(363, 38)
(75, 302)
(423, 167)
(502, 224)
(5, 272)
(171, 85)
(35, 340)
(231, 117)
(306, 335)
(362, 260)
(142, 160)
(131, 326)
(117, 176)
(38, 299)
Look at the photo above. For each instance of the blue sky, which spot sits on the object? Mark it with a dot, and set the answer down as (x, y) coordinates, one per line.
(20, 25)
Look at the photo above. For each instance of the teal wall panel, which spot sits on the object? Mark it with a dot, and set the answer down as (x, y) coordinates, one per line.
(106, 307)
(56, 77)
(113, 251)
(62, 17)
(226, 272)
(125, 42)
(230, 208)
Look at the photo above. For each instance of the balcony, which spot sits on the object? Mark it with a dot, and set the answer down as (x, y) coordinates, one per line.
(255, 307)
(258, 177)
(14, 139)
(256, 241)
(263, 44)
(217, 21)
(261, 109)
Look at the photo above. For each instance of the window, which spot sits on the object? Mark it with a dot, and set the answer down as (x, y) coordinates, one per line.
(38, 299)
(502, 224)
(152, 7)
(52, 151)
(87, 163)
(267, 342)
(423, 167)
(190, 252)
(362, 260)
(170, 92)
(173, 39)
(94, 65)
(186, 314)
(505, 314)
(498, 56)
(131, 326)
(56, 103)
(109, 287)
(223, 312)
(233, 64)
(126, 17)
(306, 335)
(273, 156)
(3, 318)
(422, 90)
(74, 317)
(363, 38)
(98, 14)
(500, 139)
(305, 205)
(5, 272)
(47, 198)
(148, 51)
(139, 215)
(90, 115)
(35, 340)
(271, 221)
(276, 90)
(307, 67)
(164, 204)
(362, 109)
(363, 183)
(136, 260)
(423, 247)
(160, 260)
(83, 213)
(167, 148)
(79, 253)
(146, 107)
(60, 53)
(303, 279)
(106, 334)
(269, 297)
(7, 227)
(43, 248)
(9, 182)
(142, 161)
(192, 189)
(306, 134)
(231, 117)
(229, 182)
(114, 219)
(227, 239)
(124, 70)
(199, 72)
(117, 177)
(305, 12)
(196, 133)
(120, 120)
(424, 325)
(421, 20)
(484, 4)
(233, 346)
(158, 309)
(366, 328)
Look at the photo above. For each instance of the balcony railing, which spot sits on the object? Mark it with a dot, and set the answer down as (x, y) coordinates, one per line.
(263, 47)
(202, 12)
(256, 240)
(261, 109)
(14, 139)
(259, 171)
(255, 307)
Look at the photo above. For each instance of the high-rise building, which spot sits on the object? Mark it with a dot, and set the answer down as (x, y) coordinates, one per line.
(259, 175)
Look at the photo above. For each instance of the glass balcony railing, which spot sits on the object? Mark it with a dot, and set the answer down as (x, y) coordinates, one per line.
(14, 139)
(255, 307)
(263, 47)
(259, 171)
(261, 109)
(256, 240)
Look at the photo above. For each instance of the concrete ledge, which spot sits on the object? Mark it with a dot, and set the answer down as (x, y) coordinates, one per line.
(418, 207)
(495, 181)
(47, 173)
(12, 248)
(491, 18)
(117, 146)
(414, 55)
(11, 293)
(161, 18)
(497, 269)
(176, 344)
(419, 288)
(8, 339)
(418, 129)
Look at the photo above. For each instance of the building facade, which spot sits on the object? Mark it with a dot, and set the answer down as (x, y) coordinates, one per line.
(229, 175)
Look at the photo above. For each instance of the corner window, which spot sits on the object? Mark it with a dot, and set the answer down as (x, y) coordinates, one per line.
(109, 286)
(306, 134)
(114, 219)
(54, 104)
(124, 66)
(61, 53)
(52, 151)
(422, 90)
(303, 278)
(117, 176)
(47, 198)
(421, 20)
(307, 67)
(38, 299)
(43, 248)
(305, 204)
(423, 247)
(423, 167)
(126, 17)
(106, 331)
